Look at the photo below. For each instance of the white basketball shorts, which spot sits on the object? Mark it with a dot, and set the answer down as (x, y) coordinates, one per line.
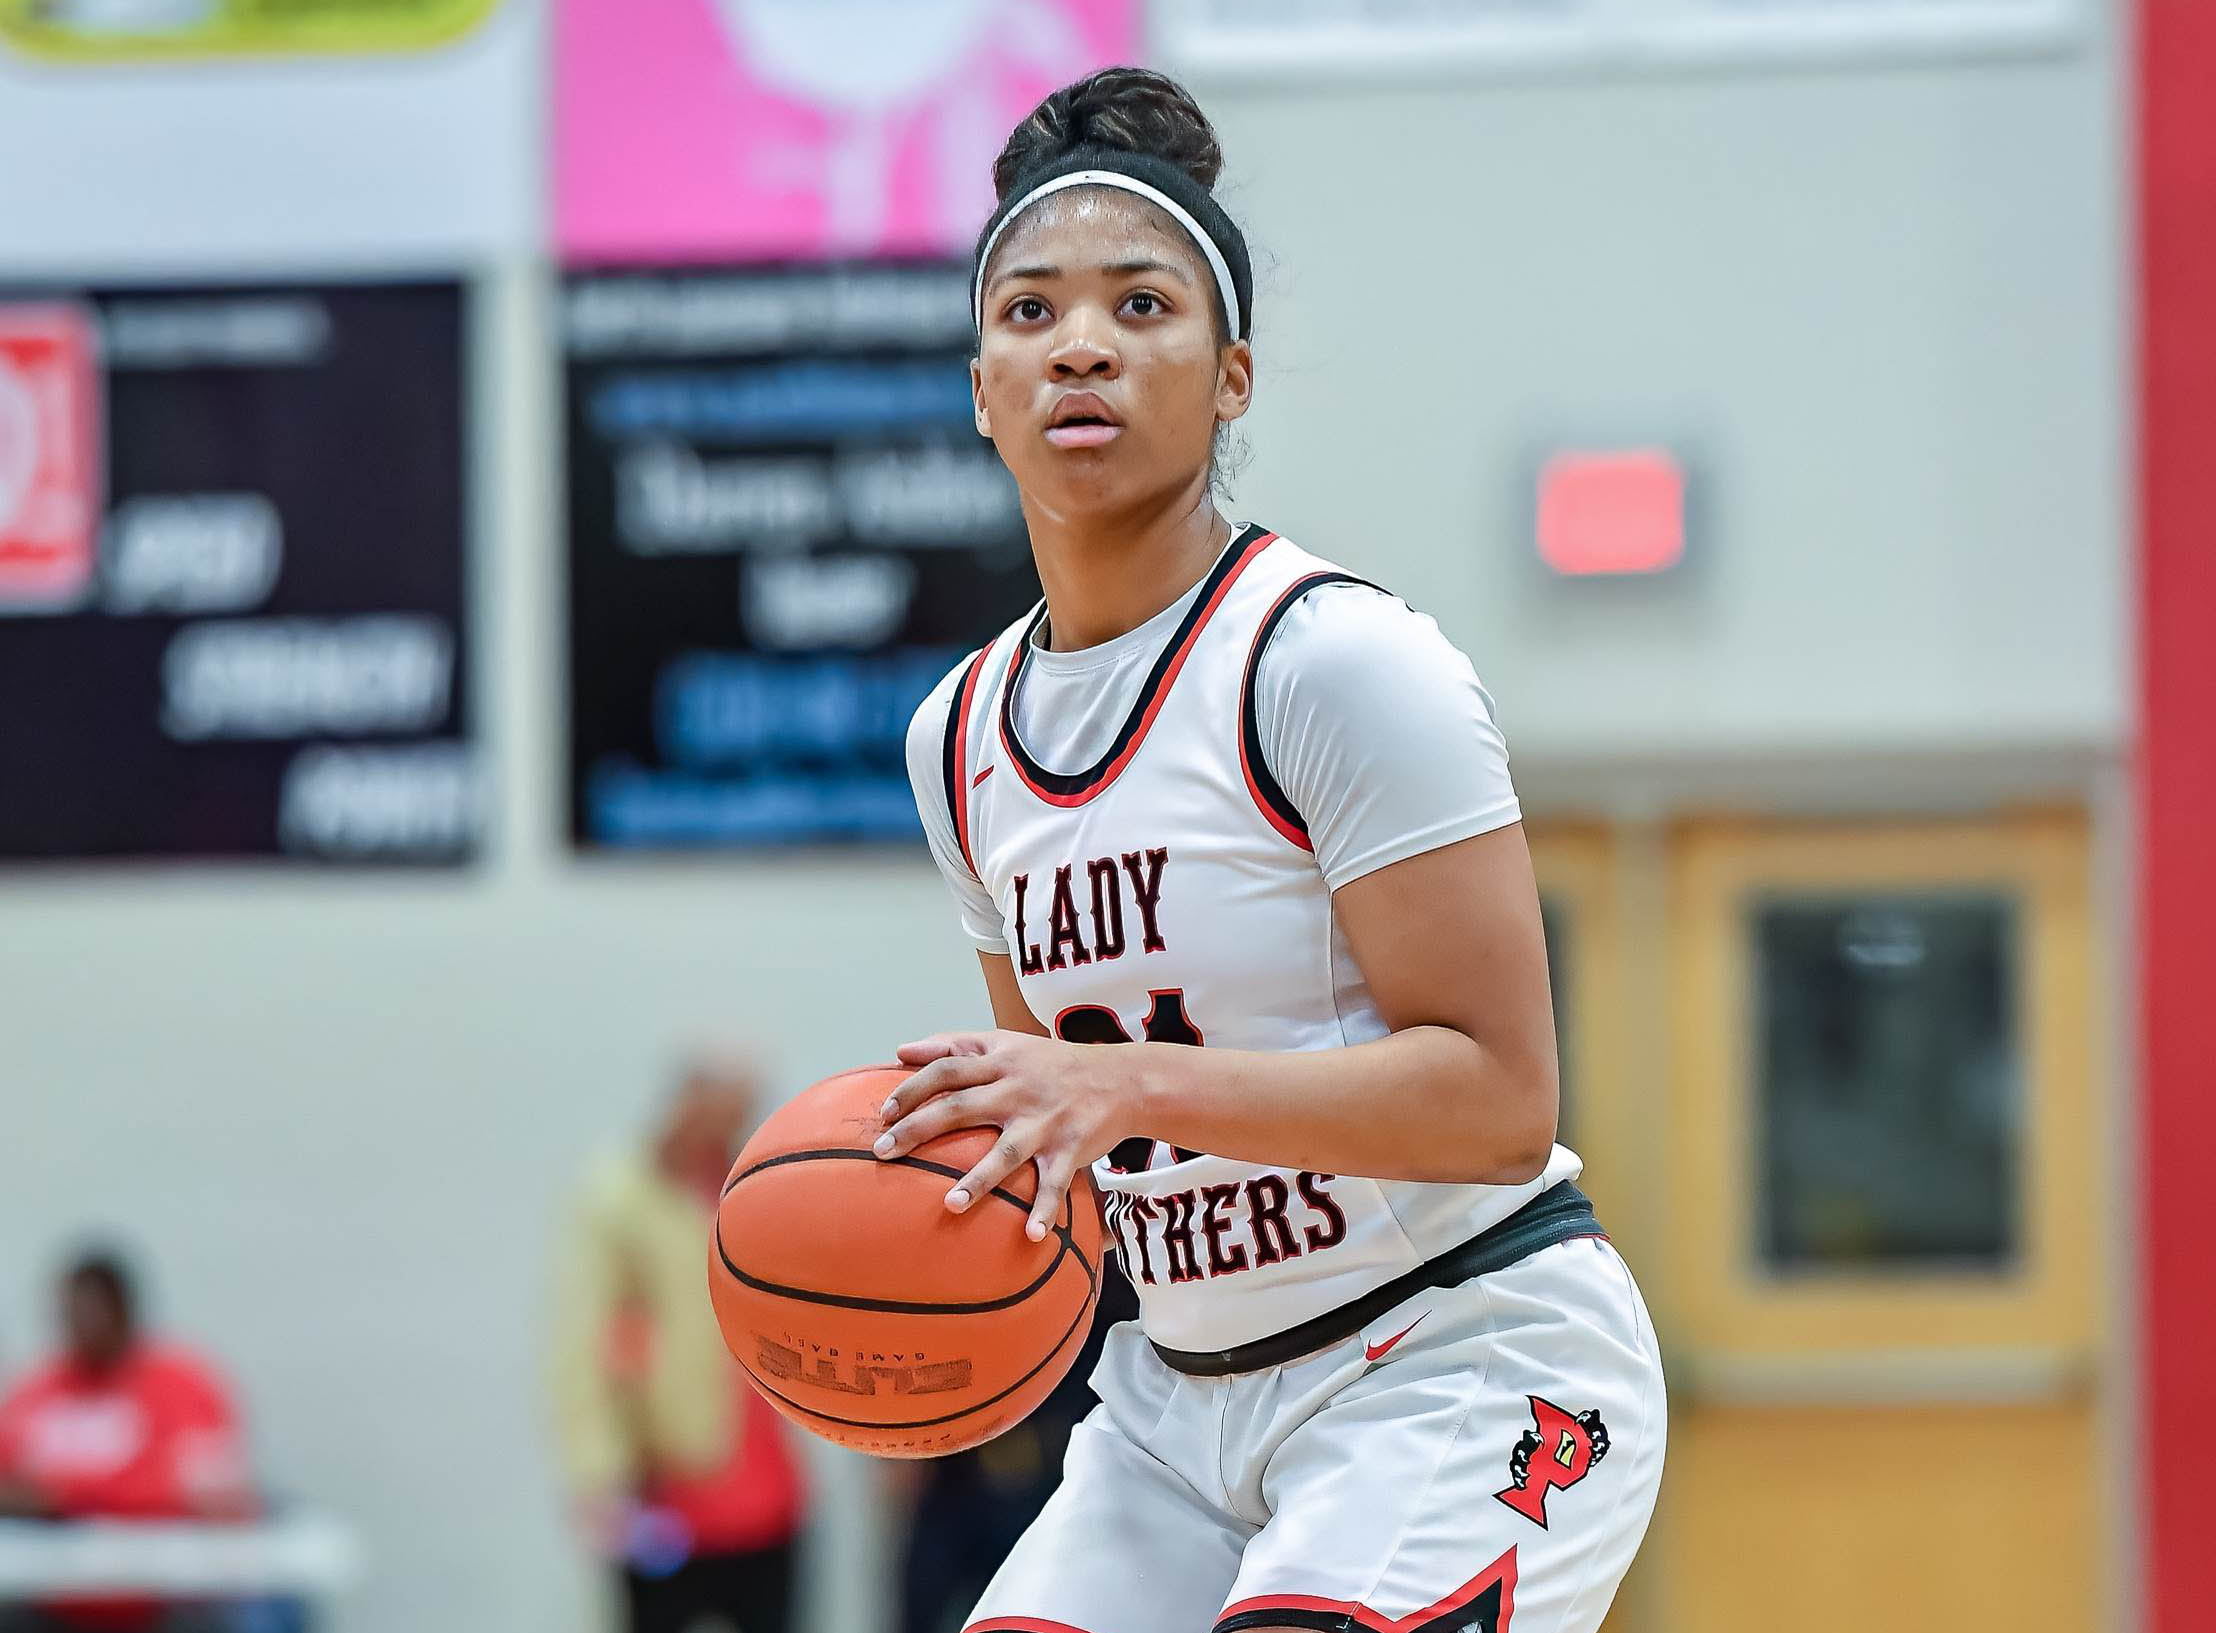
(1481, 1459)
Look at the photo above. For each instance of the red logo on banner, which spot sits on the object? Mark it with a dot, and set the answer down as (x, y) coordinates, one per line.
(50, 457)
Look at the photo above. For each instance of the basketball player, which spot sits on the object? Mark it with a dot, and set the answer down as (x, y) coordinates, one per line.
(1214, 791)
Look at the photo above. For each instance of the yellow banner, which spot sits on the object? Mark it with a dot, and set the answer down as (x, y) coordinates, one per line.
(114, 30)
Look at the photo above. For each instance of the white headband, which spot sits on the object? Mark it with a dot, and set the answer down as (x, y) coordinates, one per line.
(1129, 184)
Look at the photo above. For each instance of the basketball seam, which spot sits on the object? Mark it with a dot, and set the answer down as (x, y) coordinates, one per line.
(1084, 1312)
(1067, 1249)
(847, 1301)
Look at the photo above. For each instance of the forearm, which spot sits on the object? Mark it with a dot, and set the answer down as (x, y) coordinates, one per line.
(1424, 1103)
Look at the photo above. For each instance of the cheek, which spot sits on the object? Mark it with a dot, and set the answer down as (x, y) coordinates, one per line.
(1180, 388)
(1004, 375)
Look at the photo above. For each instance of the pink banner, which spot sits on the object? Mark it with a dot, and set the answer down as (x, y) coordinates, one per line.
(697, 130)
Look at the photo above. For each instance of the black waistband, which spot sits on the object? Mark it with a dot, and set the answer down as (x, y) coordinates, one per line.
(1561, 1213)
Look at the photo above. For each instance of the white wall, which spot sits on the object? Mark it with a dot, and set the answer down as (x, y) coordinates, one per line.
(338, 1112)
(286, 164)
(1883, 309)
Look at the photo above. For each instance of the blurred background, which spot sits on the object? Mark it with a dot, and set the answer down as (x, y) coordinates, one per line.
(483, 484)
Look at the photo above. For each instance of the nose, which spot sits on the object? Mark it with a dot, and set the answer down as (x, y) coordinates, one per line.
(1084, 347)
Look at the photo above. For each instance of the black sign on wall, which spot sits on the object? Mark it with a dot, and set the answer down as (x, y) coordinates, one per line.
(783, 529)
(233, 616)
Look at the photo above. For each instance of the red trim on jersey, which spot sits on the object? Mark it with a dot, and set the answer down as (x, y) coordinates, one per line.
(960, 792)
(1115, 767)
(1021, 1624)
(1501, 1570)
(2176, 776)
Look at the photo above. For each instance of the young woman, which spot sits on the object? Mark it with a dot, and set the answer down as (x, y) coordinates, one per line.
(1214, 791)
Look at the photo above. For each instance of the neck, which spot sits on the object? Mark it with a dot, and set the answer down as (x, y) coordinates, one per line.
(1104, 575)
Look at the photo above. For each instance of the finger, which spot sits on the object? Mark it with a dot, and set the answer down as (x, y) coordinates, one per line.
(940, 1044)
(1011, 1151)
(946, 1073)
(1055, 1173)
(959, 1109)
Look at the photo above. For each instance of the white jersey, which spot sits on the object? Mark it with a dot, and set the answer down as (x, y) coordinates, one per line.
(1170, 891)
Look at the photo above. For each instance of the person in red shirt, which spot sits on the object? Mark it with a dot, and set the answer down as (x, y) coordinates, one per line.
(118, 1426)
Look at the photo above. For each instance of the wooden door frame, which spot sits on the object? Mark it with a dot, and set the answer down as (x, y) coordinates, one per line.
(2028, 1330)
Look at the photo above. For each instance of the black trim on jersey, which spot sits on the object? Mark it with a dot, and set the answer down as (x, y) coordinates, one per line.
(1480, 1611)
(1561, 1213)
(1074, 783)
(1266, 786)
(950, 764)
(950, 752)
(1323, 1621)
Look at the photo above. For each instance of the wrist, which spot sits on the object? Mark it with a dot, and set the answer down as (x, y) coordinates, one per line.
(1148, 1093)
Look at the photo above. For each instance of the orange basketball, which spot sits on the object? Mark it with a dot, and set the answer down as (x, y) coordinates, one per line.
(867, 1312)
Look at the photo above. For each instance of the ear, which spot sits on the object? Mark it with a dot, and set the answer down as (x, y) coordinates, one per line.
(1235, 381)
(977, 399)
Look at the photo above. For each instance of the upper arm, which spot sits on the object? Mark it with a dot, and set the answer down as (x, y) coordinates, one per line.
(213, 1404)
(588, 1280)
(1453, 938)
(1010, 1012)
(1379, 731)
(1375, 726)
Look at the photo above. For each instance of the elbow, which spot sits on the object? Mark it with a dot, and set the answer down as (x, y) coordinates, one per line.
(1518, 1147)
(1498, 1156)
(1523, 1165)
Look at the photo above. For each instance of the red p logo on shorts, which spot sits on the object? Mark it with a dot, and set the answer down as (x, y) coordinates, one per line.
(1560, 1451)
(49, 456)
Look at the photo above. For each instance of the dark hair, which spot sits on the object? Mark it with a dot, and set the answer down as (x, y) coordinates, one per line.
(1135, 110)
(111, 1273)
(1148, 127)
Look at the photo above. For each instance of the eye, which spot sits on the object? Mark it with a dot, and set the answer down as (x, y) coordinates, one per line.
(1026, 309)
(1145, 303)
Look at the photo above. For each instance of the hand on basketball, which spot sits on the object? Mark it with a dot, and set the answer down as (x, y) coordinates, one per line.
(1056, 1104)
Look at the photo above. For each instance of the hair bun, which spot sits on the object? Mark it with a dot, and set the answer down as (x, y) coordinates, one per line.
(1135, 110)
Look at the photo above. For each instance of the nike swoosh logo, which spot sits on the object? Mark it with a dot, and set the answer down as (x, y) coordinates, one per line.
(981, 776)
(1376, 1352)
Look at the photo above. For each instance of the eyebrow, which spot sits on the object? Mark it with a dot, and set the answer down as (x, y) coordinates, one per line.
(1041, 272)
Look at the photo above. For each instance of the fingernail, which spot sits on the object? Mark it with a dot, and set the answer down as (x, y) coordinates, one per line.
(1037, 1230)
(888, 1108)
(957, 1200)
(884, 1145)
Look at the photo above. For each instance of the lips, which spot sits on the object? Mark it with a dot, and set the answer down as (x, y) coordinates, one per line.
(1082, 419)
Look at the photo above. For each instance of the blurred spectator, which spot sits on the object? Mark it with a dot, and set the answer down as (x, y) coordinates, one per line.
(969, 1509)
(118, 1426)
(681, 1474)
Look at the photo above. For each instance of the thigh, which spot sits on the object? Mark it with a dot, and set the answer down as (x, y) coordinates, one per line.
(1128, 1543)
(1495, 1466)
(1123, 1546)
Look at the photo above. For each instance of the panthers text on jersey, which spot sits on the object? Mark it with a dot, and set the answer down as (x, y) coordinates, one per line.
(1169, 892)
